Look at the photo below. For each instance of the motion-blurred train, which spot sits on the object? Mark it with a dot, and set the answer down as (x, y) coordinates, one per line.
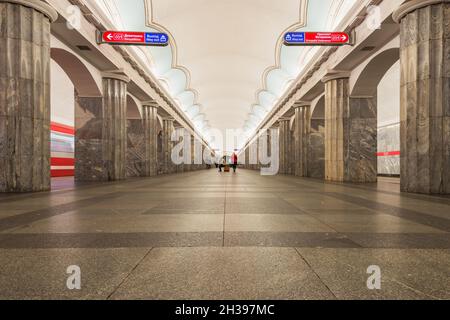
(62, 144)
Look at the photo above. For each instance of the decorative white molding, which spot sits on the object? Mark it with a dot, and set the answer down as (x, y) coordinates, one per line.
(38, 5)
(413, 5)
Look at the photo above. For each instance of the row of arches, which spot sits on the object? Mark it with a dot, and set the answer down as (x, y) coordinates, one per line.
(76, 107)
(372, 121)
(374, 118)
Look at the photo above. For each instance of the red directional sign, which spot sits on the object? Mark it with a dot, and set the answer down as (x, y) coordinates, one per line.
(316, 38)
(134, 38)
(123, 37)
(326, 37)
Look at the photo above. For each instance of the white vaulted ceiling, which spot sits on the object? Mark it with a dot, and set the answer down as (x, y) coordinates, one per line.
(226, 46)
(226, 66)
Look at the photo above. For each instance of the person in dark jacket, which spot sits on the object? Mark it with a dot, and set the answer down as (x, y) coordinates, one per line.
(223, 163)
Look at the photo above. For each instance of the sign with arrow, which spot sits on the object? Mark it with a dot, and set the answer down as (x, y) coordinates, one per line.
(316, 38)
(133, 38)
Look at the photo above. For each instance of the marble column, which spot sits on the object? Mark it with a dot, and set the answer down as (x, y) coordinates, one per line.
(284, 138)
(167, 145)
(350, 133)
(197, 154)
(89, 164)
(187, 141)
(425, 96)
(150, 119)
(247, 158)
(114, 140)
(136, 164)
(193, 164)
(180, 168)
(316, 149)
(25, 95)
(302, 123)
(257, 165)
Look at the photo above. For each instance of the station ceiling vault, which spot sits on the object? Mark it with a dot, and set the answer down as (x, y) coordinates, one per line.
(226, 65)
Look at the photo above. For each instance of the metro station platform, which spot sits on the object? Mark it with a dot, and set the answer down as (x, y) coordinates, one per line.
(206, 235)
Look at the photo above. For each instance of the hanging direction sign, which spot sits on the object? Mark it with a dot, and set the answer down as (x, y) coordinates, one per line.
(133, 38)
(316, 38)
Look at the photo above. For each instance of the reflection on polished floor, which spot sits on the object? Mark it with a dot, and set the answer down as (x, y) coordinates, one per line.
(205, 235)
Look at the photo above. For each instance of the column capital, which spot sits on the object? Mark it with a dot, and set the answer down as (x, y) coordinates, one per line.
(335, 75)
(150, 104)
(38, 5)
(284, 119)
(118, 74)
(168, 119)
(412, 5)
(301, 104)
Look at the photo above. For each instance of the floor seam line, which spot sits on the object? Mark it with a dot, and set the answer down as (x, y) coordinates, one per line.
(129, 274)
(315, 273)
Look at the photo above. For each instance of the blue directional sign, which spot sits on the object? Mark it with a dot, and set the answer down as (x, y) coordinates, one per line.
(156, 38)
(294, 38)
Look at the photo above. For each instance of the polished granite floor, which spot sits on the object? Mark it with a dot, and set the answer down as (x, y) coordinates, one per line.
(205, 235)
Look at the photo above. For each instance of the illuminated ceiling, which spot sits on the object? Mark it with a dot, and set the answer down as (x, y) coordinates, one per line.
(226, 66)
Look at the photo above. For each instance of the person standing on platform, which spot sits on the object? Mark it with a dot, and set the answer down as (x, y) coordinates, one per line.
(234, 161)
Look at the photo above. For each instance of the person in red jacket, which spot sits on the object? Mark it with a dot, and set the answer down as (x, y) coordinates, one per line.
(234, 161)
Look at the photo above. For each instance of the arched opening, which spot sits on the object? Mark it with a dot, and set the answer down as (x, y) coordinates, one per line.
(77, 71)
(388, 131)
(136, 145)
(76, 100)
(375, 102)
(316, 140)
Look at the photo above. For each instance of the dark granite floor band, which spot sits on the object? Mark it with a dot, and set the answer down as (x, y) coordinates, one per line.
(418, 217)
(288, 239)
(376, 188)
(215, 239)
(32, 216)
(110, 240)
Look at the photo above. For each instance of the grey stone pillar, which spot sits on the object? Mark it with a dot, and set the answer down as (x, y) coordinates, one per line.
(137, 157)
(302, 123)
(150, 119)
(425, 96)
(247, 158)
(187, 151)
(167, 145)
(336, 107)
(196, 152)
(362, 139)
(25, 95)
(89, 164)
(114, 139)
(285, 155)
(192, 164)
(179, 168)
(256, 165)
(292, 151)
(350, 133)
(316, 149)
